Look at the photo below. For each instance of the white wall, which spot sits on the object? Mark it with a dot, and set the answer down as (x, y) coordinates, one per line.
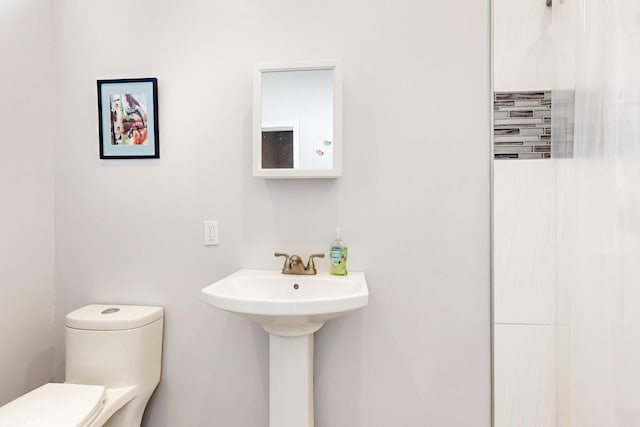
(523, 51)
(26, 194)
(413, 202)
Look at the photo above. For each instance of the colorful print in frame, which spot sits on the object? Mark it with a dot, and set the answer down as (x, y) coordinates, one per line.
(128, 118)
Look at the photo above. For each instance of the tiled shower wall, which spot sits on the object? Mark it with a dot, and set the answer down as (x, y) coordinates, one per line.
(525, 260)
(522, 125)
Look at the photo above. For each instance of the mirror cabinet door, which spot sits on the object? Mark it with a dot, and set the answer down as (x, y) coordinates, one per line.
(297, 124)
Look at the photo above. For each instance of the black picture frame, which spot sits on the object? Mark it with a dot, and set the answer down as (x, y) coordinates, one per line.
(128, 118)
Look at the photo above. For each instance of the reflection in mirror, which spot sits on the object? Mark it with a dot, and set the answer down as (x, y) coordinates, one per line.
(295, 134)
(278, 150)
(304, 97)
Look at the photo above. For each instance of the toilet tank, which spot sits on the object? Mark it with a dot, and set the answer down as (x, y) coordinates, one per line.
(114, 345)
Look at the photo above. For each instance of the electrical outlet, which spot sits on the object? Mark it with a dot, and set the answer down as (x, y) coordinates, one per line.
(211, 233)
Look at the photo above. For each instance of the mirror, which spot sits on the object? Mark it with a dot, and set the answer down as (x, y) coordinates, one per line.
(297, 125)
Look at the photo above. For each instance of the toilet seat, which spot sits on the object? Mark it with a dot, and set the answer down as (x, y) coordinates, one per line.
(55, 405)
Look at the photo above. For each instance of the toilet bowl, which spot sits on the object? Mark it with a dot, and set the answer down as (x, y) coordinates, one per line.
(113, 364)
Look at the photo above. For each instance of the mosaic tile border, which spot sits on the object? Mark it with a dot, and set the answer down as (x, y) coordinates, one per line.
(522, 125)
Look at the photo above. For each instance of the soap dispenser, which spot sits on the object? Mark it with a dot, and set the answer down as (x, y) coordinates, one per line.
(338, 256)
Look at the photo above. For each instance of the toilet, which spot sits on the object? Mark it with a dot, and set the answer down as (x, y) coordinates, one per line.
(113, 363)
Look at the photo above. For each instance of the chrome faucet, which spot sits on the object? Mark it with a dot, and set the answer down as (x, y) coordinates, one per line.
(294, 265)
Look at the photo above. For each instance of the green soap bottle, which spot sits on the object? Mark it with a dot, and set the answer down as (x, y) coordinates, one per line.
(338, 256)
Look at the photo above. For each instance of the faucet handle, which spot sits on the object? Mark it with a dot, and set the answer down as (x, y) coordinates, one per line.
(287, 261)
(286, 257)
(311, 265)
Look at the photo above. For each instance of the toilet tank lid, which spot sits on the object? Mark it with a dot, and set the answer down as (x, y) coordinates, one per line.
(113, 317)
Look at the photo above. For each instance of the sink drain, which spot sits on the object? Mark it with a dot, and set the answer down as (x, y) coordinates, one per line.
(296, 286)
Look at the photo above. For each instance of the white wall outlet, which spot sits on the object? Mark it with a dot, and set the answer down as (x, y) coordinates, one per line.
(211, 237)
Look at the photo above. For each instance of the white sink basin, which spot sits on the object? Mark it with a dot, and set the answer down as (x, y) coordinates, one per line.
(288, 305)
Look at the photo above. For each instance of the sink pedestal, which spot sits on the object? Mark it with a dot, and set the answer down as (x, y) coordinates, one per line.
(291, 381)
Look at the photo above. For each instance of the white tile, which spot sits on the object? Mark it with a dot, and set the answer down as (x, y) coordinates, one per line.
(563, 372)
(524, 242)
(523, 50)
(524, 376)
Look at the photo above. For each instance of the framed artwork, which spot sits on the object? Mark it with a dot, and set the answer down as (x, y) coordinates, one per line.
(128, 119)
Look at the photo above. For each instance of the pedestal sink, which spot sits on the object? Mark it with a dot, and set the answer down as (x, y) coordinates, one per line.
(290, 308)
